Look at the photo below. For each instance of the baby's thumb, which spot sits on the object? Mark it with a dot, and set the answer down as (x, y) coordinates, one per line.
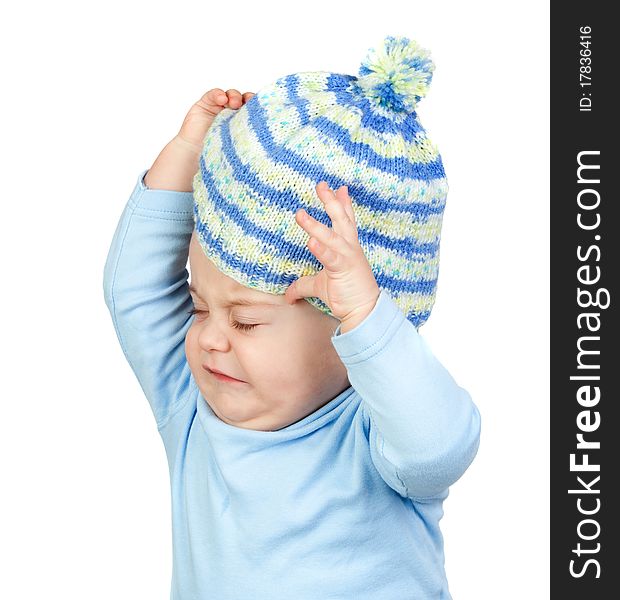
(300, 288)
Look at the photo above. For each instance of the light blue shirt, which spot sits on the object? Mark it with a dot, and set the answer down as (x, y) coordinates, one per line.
(344, 504)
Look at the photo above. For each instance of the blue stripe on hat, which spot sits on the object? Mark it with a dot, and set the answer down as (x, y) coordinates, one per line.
(316, 172)
(362, 151)
(356, 150)
(263, 273)
(233, 212)
(283, 247)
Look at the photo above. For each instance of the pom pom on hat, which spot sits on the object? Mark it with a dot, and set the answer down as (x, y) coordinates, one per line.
(396, 76)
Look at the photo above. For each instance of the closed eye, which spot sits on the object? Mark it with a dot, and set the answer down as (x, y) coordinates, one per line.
(235, 324)
(244, 326)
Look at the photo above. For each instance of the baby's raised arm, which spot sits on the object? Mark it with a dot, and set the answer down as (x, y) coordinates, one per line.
(145, 276)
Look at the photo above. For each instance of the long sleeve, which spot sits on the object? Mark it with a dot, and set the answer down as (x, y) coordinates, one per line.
(145, 289)
(424, 429)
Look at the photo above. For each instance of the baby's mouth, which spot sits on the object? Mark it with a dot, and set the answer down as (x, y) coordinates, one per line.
(221, 376)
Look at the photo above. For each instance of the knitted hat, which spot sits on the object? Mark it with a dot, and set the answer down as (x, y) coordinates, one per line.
(260, 164)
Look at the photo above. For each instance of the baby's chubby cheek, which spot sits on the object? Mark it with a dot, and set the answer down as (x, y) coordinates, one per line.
(278, 366)
(304, 361)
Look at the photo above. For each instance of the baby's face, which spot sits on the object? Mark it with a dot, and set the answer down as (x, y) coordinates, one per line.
(281, 354)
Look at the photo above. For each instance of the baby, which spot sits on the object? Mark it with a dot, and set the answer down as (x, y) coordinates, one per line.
(310, 432)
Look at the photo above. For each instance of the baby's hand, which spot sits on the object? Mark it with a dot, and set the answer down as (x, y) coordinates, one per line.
(202, 113)
(346, 284)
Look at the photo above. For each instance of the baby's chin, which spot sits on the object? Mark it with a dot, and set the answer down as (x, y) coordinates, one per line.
(233, 403)
(240, 412)
(243, 410)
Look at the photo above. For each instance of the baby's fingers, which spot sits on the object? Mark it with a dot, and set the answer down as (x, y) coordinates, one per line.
(236, 99)
(216, 99)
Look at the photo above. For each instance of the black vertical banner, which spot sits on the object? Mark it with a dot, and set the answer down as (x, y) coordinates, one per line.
(585, 262)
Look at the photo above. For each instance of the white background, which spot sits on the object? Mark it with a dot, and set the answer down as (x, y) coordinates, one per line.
(92, 93)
